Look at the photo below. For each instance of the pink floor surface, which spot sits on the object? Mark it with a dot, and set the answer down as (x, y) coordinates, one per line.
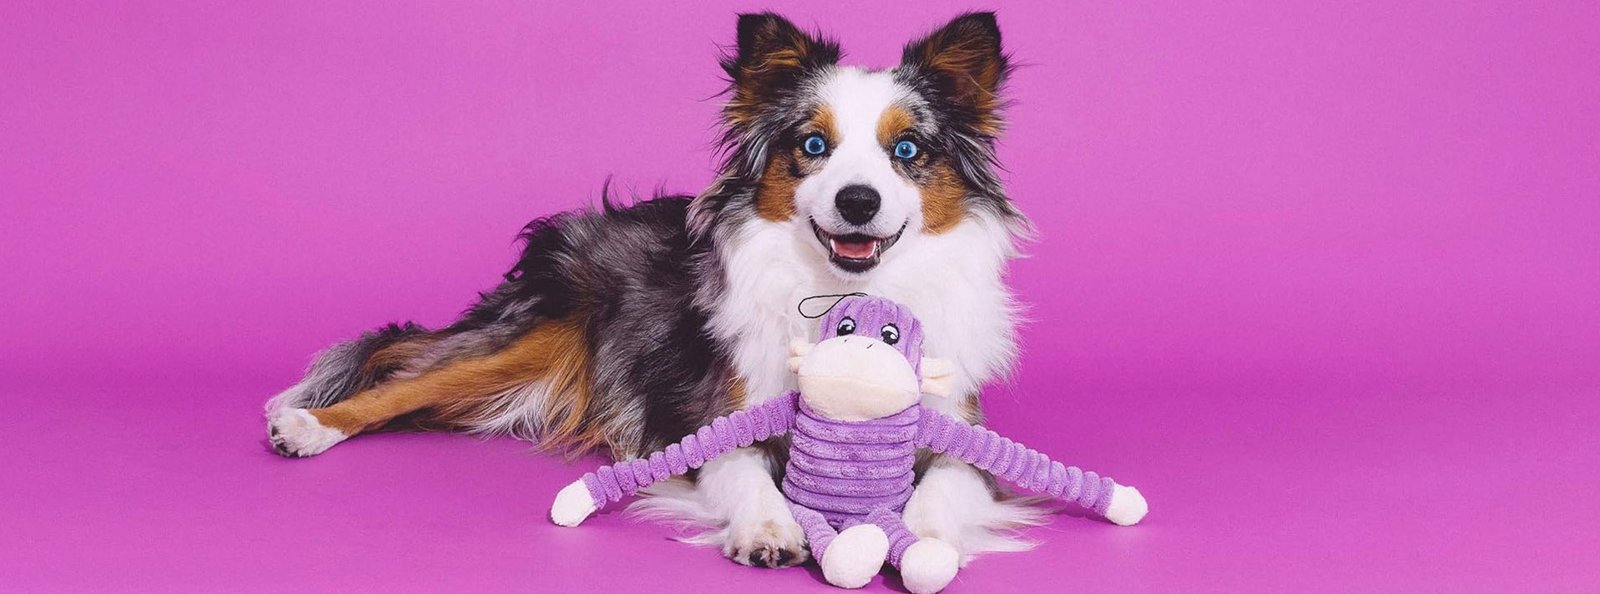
(1265, 486)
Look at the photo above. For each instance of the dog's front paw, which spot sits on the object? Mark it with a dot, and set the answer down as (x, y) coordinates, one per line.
(1127, 506)
(296, 433)
(766, 542)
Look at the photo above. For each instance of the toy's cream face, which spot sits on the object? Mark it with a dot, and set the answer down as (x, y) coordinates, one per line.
(862, 369)
(855, 378)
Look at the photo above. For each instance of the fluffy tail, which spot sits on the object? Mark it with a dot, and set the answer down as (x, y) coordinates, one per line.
(350, 367)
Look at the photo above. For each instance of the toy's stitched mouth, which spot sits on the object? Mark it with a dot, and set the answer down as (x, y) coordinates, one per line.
(855, 252)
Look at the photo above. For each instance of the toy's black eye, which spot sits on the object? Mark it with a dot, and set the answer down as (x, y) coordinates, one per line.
(847, 326)
(891, 334)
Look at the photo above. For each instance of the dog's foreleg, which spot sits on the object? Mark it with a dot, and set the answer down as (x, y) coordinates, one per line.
(738, 488)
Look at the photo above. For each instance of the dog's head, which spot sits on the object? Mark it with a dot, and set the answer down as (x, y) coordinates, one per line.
(859, 159)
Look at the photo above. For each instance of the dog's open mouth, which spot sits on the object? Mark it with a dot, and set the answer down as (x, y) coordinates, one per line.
(855, 252)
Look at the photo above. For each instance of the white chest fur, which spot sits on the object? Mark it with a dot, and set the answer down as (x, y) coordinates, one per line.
(951, 281)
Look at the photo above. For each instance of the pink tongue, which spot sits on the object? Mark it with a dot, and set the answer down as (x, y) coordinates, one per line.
(855, 251)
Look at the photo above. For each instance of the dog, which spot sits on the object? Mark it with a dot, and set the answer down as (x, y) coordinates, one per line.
(626, 327)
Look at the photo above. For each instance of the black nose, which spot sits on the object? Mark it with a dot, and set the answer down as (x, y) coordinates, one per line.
(857, 204)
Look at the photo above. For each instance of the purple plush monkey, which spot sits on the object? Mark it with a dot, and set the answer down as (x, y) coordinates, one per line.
(856, 426)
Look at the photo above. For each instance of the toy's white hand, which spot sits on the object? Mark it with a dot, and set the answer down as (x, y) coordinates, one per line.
(798, 349)
(573, 505)
(1127, 506)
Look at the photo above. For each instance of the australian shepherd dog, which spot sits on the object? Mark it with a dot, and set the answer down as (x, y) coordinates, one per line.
(627, 327)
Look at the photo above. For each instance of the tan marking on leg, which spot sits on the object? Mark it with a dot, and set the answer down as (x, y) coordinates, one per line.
(555, 352)
(736, 393)
(397, 355)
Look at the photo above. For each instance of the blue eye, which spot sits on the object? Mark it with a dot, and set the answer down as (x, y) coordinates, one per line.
(815, 145)
(905, 149)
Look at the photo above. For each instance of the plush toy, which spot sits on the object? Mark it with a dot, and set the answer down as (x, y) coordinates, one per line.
(857, 424)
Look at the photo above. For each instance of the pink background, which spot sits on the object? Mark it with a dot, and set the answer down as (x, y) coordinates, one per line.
(1320, 278)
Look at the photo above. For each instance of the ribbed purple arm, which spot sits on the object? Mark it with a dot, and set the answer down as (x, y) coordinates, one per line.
(773, 417)
(1014, 462)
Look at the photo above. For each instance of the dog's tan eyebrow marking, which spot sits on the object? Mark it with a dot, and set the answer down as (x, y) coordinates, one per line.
(894, 122)
(822, 122)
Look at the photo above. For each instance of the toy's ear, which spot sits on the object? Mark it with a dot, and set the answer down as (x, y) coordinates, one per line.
(798, 349)
(937, 377)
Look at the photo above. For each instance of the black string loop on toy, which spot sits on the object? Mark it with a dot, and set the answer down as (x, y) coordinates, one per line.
(837, 297)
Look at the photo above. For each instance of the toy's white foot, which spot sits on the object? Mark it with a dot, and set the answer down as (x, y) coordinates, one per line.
(855, 556)
(573, 505)
(1127, 506)
(296, 433)
(928, 565)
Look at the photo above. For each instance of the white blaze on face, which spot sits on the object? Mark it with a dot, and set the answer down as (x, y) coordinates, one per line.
(856, 378)
(857, 100)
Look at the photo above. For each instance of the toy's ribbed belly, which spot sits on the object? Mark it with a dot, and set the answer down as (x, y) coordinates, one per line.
(847, 469)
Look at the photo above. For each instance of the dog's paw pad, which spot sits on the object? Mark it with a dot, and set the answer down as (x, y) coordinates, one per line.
(771, 543)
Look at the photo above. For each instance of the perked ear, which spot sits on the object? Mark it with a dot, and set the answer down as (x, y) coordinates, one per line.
(964, 64)
(798, 349)
(938, 375)
(773, 57)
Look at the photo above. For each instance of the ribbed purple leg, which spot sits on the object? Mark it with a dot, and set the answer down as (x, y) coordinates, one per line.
(900, 537)
(818, 533)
